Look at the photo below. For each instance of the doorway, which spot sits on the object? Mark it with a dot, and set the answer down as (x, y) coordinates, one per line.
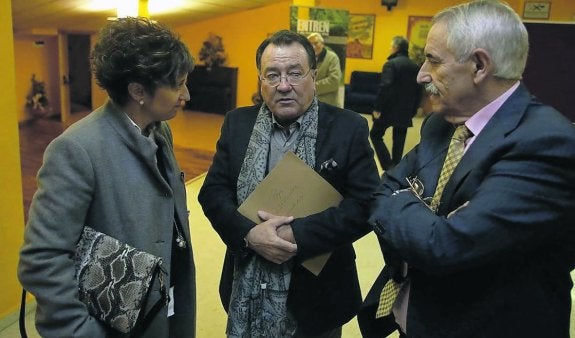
(79, 74)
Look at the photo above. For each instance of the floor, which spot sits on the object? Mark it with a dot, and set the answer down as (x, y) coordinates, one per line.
(208, 255)
(209, 251)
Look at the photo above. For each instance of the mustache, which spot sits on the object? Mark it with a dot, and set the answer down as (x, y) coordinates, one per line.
(431, 89)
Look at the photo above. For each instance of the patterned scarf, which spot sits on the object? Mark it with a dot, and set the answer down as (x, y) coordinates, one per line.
(260, 288)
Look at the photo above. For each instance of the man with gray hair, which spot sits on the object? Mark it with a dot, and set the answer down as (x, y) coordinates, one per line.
(477, 221)
(328, 77)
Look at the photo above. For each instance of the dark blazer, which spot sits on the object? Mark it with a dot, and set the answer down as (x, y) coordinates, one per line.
(101, 172)
(499, 267)
(399, 94)
(333, 298)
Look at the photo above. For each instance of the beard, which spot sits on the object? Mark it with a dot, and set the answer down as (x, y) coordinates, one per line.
(431, 89)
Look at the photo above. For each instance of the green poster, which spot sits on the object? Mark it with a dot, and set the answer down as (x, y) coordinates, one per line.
(331, 23)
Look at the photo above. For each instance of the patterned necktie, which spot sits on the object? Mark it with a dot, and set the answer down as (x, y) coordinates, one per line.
(454, 155)
(387, 298)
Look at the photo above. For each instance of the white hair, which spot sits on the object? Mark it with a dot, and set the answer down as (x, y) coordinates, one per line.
(317, 36)
(491, 25)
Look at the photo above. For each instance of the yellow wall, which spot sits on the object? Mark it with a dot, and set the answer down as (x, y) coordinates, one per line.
(394, 22)
(243, 32)
(41, 60)
(99, 96)
(11, 208)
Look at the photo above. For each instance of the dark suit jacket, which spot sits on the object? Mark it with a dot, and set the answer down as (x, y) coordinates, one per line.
(500, 266)
(399, 94)
(333, 298)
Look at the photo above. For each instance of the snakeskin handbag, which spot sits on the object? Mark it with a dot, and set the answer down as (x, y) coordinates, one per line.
(115, 279)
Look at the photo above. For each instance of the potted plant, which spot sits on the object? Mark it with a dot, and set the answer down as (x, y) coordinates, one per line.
(36, 100)
(212, 52)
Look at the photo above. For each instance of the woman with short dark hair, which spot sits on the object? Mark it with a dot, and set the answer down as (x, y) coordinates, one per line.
(115, 171)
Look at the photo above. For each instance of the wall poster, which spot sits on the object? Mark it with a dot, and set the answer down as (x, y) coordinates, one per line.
(331, 23)
(360, 36)
(417, 29)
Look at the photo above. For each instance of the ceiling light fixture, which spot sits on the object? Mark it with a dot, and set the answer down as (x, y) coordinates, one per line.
(144, 8)
(166, 6)
(127, 8)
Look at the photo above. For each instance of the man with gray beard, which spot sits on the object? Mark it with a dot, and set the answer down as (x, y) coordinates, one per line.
(477, 221)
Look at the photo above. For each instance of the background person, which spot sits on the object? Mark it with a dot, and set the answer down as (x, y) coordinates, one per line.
(491, 254)
(115, 171)
(328, 79)
(397, 101)
(294, 302)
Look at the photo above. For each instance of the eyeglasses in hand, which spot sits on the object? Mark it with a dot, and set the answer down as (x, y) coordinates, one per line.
(416, 186)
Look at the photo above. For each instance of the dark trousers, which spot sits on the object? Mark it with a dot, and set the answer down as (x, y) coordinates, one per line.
(376, 135)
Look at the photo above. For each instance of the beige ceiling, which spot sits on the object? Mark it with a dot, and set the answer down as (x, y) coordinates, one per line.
(51, 16)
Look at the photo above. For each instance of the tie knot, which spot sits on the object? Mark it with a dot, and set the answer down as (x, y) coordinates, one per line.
(462, 133)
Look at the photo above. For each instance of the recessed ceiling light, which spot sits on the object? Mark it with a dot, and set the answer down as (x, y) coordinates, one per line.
(154, 6)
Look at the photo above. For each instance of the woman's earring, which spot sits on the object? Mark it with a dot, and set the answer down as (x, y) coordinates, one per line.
(141, 102)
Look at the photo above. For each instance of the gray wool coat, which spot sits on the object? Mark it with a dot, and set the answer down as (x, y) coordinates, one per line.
(101, 172)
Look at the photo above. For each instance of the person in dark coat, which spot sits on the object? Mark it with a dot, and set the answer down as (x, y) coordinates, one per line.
(264, 288)
(397, 101)
(481, 243)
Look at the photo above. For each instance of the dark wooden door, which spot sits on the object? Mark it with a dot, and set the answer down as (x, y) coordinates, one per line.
(550, 72)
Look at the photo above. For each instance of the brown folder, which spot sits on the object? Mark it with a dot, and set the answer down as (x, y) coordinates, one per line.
(292, 188)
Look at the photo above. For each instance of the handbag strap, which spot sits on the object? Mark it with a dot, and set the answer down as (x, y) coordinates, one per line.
(163, 301)
(22, 318)
(145, 322)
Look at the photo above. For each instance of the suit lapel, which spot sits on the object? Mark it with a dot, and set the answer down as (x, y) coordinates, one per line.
(435, 137)
(142, 147)
(501, 124)
(325, 119)
(433, 152)
(174, 181)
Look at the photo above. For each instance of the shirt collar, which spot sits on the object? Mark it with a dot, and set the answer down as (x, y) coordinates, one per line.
(276, 123)
(149, 130)
(480, 119)
(133, 123)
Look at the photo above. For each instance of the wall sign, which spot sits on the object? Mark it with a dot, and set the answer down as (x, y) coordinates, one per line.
(536, 10)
